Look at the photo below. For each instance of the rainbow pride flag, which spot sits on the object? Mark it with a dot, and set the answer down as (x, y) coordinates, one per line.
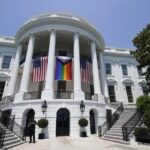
(63, 70)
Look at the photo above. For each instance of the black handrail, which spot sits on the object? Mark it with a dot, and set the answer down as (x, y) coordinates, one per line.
(15, 128)
(105, 126)
(2, 136)
(130, 124)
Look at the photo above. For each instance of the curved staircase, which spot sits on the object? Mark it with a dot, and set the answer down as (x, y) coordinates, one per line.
(115, 132)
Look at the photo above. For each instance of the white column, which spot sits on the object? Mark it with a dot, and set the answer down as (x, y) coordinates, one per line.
(96, 80)
(26, 69)
(15, 69)
(48, 91)
(78, 93)
(103, 76)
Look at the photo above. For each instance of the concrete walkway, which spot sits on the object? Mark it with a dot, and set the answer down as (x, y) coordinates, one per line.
(89, 143)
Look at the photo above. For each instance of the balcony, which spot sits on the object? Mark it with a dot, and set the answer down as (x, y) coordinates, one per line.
(32, 95)
(62, 94)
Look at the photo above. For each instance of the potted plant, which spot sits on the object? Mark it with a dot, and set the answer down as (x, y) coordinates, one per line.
(83, 122)
(42, 123)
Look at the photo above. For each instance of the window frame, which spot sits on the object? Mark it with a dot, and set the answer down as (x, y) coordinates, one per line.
(124, 70)
(108, 69)
(129, 95)
(112, 97)
(4, 56)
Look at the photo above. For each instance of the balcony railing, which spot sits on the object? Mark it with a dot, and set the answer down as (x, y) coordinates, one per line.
(7, 100)
(63, 94)
(32, 95)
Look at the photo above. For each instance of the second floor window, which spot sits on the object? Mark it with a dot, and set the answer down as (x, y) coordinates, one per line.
(145, 90)
(139, 71)
(129, 94)
(124, 70)
(6, 62)
(111, 92)
(108, 68)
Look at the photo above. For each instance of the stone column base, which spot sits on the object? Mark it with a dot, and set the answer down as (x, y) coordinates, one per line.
(47, 94)
(79, 95)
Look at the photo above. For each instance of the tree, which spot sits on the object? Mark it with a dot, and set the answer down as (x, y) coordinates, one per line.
(142, 53)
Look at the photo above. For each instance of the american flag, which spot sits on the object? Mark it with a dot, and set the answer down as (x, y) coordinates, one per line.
(39, 69)
(86, 71)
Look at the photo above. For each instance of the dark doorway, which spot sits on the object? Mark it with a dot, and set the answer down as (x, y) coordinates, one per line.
(30, 115)
(92, 122)
(62, 123)
(2, 85)
(5, 116)
(109, 117)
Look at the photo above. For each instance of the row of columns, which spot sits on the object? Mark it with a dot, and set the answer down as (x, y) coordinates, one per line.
(48, 91)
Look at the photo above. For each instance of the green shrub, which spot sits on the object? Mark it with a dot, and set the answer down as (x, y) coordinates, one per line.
(42, 123)
(141, 131)
(142, 103)
(83, 122)
(146, 117)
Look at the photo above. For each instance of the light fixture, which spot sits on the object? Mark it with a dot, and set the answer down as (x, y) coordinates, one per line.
(44, 106)
(82, 106)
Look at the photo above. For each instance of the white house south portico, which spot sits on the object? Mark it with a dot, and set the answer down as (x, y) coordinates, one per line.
(54, 36)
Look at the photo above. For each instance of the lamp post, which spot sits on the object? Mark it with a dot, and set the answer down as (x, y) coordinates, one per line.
(82, 107)
(44, 107)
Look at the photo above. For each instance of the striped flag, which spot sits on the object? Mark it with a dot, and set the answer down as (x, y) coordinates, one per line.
(86, 71)
(39, 69)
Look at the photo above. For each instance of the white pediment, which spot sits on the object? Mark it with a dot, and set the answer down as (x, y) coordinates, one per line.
(127, 81)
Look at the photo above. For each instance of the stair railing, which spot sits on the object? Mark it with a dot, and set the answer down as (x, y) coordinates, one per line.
(15, 128)
(130, 125)
(2, 136)
(102, 129)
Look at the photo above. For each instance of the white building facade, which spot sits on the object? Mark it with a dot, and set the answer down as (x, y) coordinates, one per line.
(110, 76)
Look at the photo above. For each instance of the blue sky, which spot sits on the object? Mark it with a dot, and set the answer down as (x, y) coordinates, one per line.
(117, 20)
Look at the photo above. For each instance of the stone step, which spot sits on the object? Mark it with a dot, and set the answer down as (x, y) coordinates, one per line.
(8, 132)
(9, 135)
(114, 137)
(113, 134)
(14, 145)
(117, 141)
(10, 138)
(6, 143)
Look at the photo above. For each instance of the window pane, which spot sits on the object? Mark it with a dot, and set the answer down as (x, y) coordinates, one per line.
(111, 93)
(108, 68)
(129, 93)
(124, 70)
(6, 62)
(145, 90)
(139, 71)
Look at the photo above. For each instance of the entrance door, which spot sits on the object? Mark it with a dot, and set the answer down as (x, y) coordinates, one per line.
(62, 124)
(92, 122)
(30, 115)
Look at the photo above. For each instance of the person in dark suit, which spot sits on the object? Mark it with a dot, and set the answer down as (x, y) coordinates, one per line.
(31, 126)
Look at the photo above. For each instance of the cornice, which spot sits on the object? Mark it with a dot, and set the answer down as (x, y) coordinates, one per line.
(59, 18)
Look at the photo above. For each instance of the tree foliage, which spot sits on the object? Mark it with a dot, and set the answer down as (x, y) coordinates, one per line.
(142, 53)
